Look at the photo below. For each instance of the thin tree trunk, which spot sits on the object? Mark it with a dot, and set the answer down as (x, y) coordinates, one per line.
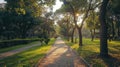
(82, 23)
(118, 31)
(75, 22)
(113, 31)
(103, 30)
(80, 37)
(72, 35)
(75, 39)
(92, 36)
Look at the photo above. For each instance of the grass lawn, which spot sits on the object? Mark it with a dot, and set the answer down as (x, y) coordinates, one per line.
(16, 46)
(90, 52)
(27, 58)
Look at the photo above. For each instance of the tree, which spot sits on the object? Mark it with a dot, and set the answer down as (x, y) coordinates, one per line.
(66, 26)
(103, 29)
(22, 15)
(74, 7)
(113, 20)
(92, 23)
(112, 16)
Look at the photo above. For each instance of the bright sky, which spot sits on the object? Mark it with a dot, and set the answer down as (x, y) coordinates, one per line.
(2, 1)
(57, 5)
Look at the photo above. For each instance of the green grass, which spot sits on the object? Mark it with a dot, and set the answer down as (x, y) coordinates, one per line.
(90, 51)
(27, 58)
(16, 46)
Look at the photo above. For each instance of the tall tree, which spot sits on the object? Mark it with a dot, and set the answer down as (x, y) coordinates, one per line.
(113, 16)
(81, 7)
(92, 23)
(103, 29)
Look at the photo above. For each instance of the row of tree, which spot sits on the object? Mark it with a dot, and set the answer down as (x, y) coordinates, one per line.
(102, 16)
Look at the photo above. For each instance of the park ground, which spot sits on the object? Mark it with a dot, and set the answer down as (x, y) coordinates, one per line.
(89, 51)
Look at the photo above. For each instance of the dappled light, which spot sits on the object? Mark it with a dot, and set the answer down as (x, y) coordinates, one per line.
(59, 33)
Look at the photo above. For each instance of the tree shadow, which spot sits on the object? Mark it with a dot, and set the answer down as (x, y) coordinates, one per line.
(117, 47)
(111, 61)
(94, 59)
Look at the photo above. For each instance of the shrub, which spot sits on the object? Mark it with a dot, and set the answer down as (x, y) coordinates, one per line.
(47, 41)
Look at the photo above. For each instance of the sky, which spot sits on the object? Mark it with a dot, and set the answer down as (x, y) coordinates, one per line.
(57, 5)
(2, 1)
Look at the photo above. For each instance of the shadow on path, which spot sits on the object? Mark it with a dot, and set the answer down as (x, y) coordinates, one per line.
(61, 55)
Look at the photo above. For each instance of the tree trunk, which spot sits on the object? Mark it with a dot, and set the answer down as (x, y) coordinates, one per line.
(68, 38)
(72, 35)
(118, 32)
(80, 37)
(113, 30)
(75, 22)
(75, 40)
(103, 30)
(92, 35)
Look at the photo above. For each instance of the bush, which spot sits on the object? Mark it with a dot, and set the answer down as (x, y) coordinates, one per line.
(47, 41)
(9, 43)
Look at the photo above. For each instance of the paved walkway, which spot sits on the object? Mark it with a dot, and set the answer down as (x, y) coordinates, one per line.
(61, 55)
(12, 52)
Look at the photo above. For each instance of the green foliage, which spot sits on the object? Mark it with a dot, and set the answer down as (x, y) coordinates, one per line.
(78, 6)
(92, 22)
(65, 25)
(113, 21)
(45, 30)
(19, 18)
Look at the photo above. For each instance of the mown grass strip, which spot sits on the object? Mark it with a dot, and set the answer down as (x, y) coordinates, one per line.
(90, 51)
(27, 58)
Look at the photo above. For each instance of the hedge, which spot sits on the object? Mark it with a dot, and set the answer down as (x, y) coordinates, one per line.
(9, 43)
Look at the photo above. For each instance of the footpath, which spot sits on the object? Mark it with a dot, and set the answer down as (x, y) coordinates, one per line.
(61, 55)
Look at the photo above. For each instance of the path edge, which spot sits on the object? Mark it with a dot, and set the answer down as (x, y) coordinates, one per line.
(38, 62)
(78, 55)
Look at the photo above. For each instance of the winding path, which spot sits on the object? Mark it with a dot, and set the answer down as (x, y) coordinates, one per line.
(61, 55)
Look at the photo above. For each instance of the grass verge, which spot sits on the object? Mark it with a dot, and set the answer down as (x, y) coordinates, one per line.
(27, 58)
(90, 51)
(17, 46)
